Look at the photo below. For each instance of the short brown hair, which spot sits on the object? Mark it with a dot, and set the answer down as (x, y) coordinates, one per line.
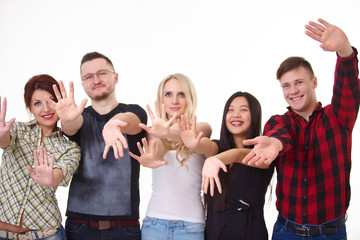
(293, 63)
(94, 55)
(44, 82)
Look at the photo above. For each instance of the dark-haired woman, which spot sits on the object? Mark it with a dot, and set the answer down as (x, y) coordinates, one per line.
(36, 159)
(235, 209)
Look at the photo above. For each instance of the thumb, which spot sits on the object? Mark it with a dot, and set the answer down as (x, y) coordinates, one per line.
(250, 141)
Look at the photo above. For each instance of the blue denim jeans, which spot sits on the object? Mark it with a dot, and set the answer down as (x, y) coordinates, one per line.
(160, 229)
(78, 231)
(59, 235)
(280, 232)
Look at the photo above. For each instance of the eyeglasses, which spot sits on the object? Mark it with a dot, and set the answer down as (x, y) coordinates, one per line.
(101, 74)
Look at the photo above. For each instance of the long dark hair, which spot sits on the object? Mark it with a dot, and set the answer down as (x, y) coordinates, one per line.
(227, 142)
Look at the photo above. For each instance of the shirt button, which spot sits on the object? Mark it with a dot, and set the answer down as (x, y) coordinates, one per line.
(305, 197)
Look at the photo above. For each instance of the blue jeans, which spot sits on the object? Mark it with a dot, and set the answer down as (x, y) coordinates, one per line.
(59, 235)
(78, 231)
(280, 232)
(160, 229)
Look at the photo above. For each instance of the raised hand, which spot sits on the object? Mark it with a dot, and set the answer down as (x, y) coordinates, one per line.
(330, 36)
(210, 174)
(66, 108)
(160, 127)
(43, 173)
(265, 150)
(114, 138)
(4, 127)
(147, 156)
(188, 134)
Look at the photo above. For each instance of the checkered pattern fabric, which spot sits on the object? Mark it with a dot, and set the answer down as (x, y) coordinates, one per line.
(19, 193)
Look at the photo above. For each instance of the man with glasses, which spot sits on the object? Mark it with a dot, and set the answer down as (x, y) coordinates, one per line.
(104, 197)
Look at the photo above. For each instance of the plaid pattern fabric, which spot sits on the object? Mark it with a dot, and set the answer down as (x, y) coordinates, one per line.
(314, 166)
(18, 191)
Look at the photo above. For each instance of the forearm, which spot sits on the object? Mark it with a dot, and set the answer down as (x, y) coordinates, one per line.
(207, 147)
(71, 127)
(236, 155)
(132, 121)
(58, 177)
(233, 155)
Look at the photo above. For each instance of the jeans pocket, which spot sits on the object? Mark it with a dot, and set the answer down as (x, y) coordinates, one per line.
(72, 226)
(278, 228)
(133, 231)
(147, 222)
(194, 227)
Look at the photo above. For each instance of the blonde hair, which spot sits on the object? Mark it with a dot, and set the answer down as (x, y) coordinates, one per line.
(182, 152)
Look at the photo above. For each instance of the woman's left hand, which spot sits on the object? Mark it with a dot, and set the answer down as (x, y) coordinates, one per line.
(43, 173)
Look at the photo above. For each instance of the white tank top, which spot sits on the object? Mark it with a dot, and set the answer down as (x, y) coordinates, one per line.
(176, 189)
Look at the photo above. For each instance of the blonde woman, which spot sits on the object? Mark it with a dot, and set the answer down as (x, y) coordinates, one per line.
(175, 210)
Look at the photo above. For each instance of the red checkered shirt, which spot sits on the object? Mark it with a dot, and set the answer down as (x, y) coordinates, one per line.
(313, 168)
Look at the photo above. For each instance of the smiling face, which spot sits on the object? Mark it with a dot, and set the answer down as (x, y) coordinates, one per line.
(298, 87)
(103, 79)
(238, 117)
(43, 113)
(174, 98)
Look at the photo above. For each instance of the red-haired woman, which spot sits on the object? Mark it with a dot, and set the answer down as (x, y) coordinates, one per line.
(36, 159)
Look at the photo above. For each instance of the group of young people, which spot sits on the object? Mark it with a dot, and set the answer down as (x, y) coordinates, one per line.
(102, 146)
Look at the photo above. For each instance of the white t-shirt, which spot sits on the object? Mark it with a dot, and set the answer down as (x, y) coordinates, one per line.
(176, 191)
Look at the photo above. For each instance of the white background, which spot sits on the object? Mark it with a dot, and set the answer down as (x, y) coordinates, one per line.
(223, 46)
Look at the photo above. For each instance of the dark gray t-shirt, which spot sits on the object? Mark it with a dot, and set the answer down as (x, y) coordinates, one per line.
(105, 189)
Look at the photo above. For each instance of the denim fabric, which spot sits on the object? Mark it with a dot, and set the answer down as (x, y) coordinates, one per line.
(162, 229)
(59, 235)
(78, 231)
(282, 233)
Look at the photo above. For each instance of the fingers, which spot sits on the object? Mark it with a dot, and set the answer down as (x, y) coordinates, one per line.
(3, 109)
(218, 184)
(151, 114)
(106, 150)
(222, 165)
(172, 118)
(205, 184)
(71, 90)
(57, 91)
(145, 127)
(36, 160)
(83, 104)
(41, 156)
(134, 156)
(250, 141)
(212, 187)
(62, 89)
(31, 171)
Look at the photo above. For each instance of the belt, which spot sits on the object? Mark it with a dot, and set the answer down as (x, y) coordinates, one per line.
(311, 231)
(108, 224)
(28, 235)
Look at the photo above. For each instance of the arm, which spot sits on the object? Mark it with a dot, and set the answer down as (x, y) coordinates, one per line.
(160, 127)
(114, 130)
(148, 156)
(237, 155)
(265, 150)
(4, 127)
(346, 99)
(67, 110)
(195, 136)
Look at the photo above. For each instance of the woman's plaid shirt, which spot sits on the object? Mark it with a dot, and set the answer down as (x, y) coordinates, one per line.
(18, 191)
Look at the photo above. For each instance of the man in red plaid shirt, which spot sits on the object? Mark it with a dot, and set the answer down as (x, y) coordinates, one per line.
(311, 144)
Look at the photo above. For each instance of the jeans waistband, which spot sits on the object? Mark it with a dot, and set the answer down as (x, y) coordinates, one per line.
(313, 230)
